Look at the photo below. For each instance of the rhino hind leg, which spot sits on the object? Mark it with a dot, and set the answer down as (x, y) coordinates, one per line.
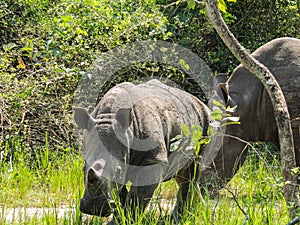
(222, 167)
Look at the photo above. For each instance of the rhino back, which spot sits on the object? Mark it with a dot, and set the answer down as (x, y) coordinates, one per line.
(285, 65)
(158, 111)
(126, 94)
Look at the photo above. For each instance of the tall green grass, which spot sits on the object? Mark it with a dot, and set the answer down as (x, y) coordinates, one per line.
(55, 179)
(43, 180)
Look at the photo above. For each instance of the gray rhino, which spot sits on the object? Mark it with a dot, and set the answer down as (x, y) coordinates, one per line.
(254, 107)
(128, 138)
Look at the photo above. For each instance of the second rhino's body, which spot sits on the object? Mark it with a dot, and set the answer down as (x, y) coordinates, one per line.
(254, 107)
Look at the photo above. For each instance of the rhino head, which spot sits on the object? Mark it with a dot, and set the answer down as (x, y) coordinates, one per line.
(103, 154)
(96, 199)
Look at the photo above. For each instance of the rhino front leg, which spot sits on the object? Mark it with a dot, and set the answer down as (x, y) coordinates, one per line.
(138, 198)
(184, 179)
(135, 201)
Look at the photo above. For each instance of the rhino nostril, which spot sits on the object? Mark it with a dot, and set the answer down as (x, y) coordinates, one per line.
(92, 180)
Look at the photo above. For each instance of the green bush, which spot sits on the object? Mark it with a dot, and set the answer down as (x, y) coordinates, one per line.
(45, 45)
(253, 22)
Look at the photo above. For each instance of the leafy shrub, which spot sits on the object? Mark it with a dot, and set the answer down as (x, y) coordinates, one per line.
(253, 22)
(45, 45)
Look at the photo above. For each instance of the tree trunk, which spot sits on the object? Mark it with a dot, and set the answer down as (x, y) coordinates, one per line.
(290, 189)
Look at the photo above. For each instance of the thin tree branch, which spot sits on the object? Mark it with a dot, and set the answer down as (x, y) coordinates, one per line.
(238, 205)
(279, 105)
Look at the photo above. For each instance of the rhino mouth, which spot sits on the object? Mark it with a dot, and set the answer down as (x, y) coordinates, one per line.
(96, 206)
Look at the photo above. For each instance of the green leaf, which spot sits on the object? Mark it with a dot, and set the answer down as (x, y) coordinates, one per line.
(191, 4)
(222, 6)
(231, 110)
(197, 133)
(295, 171)
(184, 64)
(67, 19)
(216, 114)
(80, 31)
(197, 128)
(231, 123)
(8, 46)
(185, 130)
(204, 141)
(217, 103)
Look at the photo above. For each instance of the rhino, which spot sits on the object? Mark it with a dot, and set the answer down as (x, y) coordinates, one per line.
(131, 137)
(254, 108)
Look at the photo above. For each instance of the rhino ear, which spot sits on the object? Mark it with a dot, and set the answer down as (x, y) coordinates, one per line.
(222, 92)
(219, 79)
(124, 117)
(82, 117)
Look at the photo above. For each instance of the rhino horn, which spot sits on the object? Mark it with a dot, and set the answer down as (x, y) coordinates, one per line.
(124, 117)
(82, 117)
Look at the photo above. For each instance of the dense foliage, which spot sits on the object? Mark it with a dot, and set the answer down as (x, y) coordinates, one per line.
(253, 22)
(45, 45)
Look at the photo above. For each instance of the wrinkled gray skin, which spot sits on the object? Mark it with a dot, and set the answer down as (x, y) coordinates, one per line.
(127, 115)
(254, 107)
